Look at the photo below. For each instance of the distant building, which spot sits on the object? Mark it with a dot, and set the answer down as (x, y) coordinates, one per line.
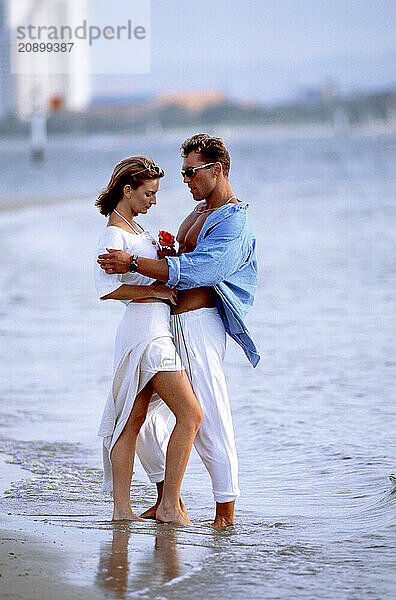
(193, 101)
(133, 105)
(67, 83)
(309, 95)
(324, 93)
(6, 84)
(329, 90)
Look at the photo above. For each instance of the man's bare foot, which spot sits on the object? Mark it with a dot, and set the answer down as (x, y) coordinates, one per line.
(150, 513)
(172, 515)
(125, 515)
(224, 514)
(222, 522)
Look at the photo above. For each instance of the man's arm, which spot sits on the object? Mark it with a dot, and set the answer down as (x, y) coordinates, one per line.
(117, 261)
(215, 257)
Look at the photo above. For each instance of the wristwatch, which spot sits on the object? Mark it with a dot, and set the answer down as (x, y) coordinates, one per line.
(133, 266)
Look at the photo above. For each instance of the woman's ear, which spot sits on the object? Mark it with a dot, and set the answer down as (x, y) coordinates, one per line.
(127, 191)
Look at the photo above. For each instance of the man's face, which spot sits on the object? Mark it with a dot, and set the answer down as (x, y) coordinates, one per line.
(202, 182)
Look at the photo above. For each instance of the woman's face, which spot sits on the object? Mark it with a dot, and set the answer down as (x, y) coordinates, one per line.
(143, 197)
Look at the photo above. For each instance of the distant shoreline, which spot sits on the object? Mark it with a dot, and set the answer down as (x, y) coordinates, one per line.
(373, 127)
(14, 203)
(8, 205)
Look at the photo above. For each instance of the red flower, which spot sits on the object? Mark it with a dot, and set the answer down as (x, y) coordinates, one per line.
(165, 251)
(167, 244)
(166, 239)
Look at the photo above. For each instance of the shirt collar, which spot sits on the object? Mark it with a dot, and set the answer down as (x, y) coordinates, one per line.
(222, 213)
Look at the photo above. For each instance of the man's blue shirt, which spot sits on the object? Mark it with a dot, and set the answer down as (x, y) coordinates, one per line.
(225, 259)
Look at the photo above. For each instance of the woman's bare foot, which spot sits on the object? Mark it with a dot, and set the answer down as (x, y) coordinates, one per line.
(172, 515)
(150, 513)
(125, 515)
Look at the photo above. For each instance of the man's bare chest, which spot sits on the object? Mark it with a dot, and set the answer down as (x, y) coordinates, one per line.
(190, 230)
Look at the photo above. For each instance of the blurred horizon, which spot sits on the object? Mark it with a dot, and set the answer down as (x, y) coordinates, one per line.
(264, 51)
(257, 52)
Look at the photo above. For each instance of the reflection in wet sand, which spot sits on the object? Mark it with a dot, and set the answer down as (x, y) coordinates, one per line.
(113, 562)
(166, 553)
(117, 572)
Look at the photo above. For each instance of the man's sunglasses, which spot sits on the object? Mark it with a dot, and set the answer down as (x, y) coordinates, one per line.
(190, 171)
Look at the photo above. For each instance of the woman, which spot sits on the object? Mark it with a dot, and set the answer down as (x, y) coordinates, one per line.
(145, 359)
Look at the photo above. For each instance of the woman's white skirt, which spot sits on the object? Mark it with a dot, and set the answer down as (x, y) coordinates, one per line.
(143, 347)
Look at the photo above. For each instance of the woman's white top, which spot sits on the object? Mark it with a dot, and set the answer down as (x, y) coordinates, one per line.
(114, 237)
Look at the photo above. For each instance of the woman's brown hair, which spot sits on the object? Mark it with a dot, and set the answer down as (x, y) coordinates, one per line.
(131, 171)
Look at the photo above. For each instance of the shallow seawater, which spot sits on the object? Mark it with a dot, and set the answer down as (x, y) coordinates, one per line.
(314, 422)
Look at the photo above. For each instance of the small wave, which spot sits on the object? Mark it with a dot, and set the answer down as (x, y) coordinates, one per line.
(392, 479)
(381, 511)
(389, 496)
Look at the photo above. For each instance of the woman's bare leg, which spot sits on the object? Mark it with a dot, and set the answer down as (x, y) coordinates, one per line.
(151, 512)
(176, 391)
(123, 456)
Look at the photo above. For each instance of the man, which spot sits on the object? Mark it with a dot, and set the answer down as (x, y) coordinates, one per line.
(216, 275)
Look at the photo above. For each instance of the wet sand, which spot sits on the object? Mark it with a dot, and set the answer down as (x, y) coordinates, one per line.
(31, 564)
(30, 569)
(72, 557)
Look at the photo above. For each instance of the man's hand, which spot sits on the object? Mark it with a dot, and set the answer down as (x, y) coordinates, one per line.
(115, 262)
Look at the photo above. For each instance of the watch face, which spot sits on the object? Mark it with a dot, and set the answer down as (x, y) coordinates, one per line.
(133, 266)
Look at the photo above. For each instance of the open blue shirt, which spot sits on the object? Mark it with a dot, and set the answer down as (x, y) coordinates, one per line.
(225, 259)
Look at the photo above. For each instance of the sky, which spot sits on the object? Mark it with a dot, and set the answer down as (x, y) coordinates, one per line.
(261, 51)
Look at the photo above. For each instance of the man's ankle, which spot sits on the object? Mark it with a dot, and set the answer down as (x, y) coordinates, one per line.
(160, 489)
(225, 511)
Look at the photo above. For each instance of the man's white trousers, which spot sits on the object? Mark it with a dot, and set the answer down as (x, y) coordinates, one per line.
(200, 340)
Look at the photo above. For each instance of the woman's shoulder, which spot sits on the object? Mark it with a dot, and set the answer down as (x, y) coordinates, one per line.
(115, 236)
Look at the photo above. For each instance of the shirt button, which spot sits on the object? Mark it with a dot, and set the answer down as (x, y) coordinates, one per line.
(154, 243)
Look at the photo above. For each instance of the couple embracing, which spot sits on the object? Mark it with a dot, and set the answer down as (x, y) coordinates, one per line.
(171, 342)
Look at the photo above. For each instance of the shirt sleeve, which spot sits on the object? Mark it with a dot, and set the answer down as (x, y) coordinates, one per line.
(104, 282)
(107, 283)
(215, 257)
